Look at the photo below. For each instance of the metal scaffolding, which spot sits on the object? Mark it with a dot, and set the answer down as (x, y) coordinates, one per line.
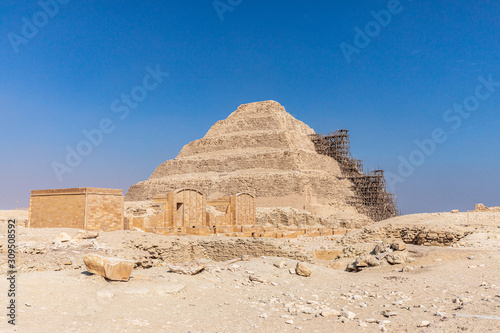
(371, 197)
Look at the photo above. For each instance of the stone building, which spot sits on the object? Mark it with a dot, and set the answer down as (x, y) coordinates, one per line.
(187, 211)
(83, 208)
(237, 209)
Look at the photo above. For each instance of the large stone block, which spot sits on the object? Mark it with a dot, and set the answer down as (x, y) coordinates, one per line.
(110, 268)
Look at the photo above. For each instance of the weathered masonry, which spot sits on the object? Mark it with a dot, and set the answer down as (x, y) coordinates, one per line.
(83, 208)
(187, 211)
(236, 209)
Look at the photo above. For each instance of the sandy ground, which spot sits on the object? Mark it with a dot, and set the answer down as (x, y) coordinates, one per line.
(440, 285)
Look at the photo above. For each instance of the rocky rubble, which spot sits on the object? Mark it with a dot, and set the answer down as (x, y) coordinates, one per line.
(418, 235)
(382, 253)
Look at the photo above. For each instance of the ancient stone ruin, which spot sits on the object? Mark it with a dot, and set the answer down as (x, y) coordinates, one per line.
(84, 208)
(262, 149)
(258, 173)
(186, 211)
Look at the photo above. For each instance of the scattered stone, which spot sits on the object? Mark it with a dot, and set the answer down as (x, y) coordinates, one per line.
(330, 313)
(440, 314)
(455, 211)
(388, 313)
(85, 234)
(397, 258)
(292, 271)
(280, 264)
(263, 315)
(254, 278)
(348, 314)
(309, 310)
(109, 268)
(245, 257)
(406, 269)
(233, 267)
(379, 248)
(289, 322)
(373, 261)
(187, 268)
(382, 255)
(361, 262)
(351, 267)
(336, 265)
(62, 238)
(424, 323)
(398, 245)
(303, 270)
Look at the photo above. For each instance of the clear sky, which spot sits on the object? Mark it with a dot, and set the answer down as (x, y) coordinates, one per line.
(390, 72)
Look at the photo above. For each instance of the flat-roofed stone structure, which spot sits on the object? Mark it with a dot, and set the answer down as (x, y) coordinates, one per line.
(85, 208)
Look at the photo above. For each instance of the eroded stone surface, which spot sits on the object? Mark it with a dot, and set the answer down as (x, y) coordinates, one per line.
(110, 268)
(303, 270)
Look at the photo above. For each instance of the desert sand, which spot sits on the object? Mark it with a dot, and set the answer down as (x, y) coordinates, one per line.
(445, 288)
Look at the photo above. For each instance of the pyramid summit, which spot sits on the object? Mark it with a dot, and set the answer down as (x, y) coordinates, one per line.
(260, 149)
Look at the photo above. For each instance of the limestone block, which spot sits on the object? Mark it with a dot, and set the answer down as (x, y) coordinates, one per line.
(110, 268)
(303, 270)
(398, 245)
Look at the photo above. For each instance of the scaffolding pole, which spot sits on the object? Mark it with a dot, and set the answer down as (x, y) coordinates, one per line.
(370, 195)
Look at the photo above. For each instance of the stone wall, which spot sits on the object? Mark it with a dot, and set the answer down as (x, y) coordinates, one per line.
(410, 235)
(57, 208)
(82, 208)
(105, 211)
(189, 249)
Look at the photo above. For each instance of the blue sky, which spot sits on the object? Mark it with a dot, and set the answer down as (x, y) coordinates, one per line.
(396, 89)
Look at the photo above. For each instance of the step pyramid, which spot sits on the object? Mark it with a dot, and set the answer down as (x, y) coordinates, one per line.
(260, 149)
